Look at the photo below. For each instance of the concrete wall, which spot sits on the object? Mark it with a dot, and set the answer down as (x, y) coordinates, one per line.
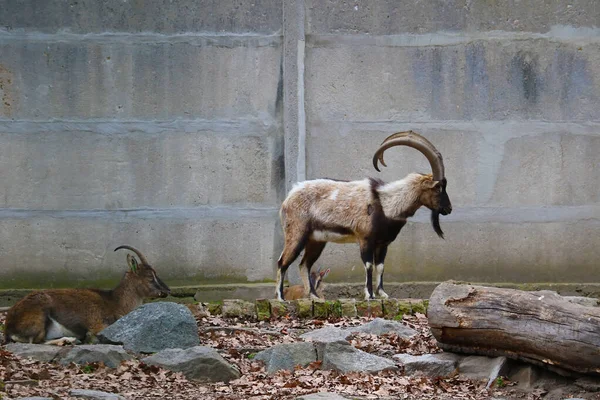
(177, 127)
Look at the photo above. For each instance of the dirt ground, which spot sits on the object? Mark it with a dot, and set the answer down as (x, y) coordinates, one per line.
(238, 342)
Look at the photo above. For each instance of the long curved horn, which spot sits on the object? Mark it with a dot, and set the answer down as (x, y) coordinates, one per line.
(137, 252)
(416, 141)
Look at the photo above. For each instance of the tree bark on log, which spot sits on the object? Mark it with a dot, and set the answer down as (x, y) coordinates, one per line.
(541, 328)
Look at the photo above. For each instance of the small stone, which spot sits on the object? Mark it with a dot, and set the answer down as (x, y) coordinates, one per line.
(482, 368)
(94, 395)
(215, 308)
(263, 309)
(304, 308)
(328, 334)
(320, 309)
(348, 308)
(287, 356)
(342, 357)
(235, 308)
(200, 364)
(390, 308)
(380, 326)
(110, 355)
(279, 308)
(417, 306)
(39, 352)
(431, 365)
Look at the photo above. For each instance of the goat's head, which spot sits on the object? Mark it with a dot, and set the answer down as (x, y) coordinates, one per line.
(433, 194)
(145, 281)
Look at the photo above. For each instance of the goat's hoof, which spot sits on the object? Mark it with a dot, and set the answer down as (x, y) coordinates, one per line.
(382, 294)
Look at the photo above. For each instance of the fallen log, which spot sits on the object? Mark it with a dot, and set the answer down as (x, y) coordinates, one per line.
(542, 328)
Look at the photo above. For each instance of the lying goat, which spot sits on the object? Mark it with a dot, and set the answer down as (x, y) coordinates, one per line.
(369, 212)
(65, 315)
(297, 291)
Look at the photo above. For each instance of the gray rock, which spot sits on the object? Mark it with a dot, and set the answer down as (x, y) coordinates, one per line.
(481, 367)
(200, 363)
(287, 356)
(39, 352)
(583, 301)
(110, 355)
(94, 394)
(153, 327)
(380, 326)
(35, 398)
(328, 334)
(588, 383)
(344, 358)
(322, 396)
(432, 365)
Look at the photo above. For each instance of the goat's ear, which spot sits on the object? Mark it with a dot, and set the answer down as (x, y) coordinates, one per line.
(431, 184)
(325, 273)
(133, 264)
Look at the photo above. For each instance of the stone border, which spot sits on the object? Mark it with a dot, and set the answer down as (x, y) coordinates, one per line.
(266, 309)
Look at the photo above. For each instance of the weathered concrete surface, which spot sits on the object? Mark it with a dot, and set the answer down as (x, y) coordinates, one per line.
(389, 17)
(185, 246)
(476, 80)
(116, 166)
(177, 127)
(164, 16)
(140, 78)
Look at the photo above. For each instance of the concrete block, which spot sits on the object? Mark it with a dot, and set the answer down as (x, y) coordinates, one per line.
(164, 16)
(389, 17)
(487, 163)
(126, 79)
(553, 169)
(77, 169)
(480, 251)
(186, 247)
(476, 80)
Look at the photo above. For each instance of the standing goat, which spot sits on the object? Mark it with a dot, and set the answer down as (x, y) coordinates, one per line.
(64, 315)
(316, 279)
(368, 211)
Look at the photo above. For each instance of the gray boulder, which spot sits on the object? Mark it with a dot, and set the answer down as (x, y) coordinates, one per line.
(200, 364)
(380, 326)
(344, 358)
(328, 334)
(94, 395)
(110, 355)
(432, 365)
(39, 352)
(287, 356)
(481, 367)
(153, 327)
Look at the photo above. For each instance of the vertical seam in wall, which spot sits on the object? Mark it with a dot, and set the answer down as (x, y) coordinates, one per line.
(301, 161)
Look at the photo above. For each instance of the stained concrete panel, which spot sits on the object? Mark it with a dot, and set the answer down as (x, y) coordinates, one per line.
(549, 170)
(164, 16)
(185, 246)
(121, 79)
(482, 251)
(115, 166)
(496, 164)
(388, 17)
(484, 79)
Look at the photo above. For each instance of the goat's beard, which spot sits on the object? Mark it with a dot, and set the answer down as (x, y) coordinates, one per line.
(435, 222)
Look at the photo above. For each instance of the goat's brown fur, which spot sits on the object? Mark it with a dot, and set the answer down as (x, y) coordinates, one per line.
(43, 315)
(296, 292)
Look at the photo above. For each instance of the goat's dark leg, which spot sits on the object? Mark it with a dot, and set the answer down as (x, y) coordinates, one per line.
(380, 253)
(294, 243)
(312, 251)
(367, 254)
